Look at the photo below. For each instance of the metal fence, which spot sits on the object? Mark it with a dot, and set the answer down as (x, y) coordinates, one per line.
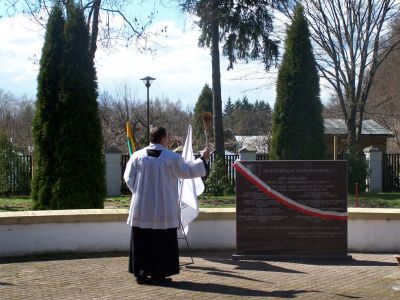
(17, 180)
(262, 156)
(391, 172)
(229, 170)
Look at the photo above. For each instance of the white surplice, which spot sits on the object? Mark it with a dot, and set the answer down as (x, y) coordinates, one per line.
(153, 182)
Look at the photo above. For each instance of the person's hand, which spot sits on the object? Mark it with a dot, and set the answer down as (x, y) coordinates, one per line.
(205, 153)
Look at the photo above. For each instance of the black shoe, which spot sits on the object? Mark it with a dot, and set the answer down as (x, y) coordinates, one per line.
(143, 280)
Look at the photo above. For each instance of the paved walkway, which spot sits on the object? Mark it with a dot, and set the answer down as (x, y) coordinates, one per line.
(213, 276)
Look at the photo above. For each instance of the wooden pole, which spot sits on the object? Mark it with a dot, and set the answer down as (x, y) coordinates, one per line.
(207, 119)
(335, 147)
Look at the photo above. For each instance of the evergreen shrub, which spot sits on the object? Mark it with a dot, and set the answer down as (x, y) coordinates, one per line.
(357, 172)
(218, 182)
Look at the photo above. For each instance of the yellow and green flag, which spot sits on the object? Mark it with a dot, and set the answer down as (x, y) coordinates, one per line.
(129, 139)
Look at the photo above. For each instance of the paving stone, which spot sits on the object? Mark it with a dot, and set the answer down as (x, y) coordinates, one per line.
(214, 275)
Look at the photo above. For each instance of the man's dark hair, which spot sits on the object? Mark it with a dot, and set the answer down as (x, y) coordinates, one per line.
(156, 134)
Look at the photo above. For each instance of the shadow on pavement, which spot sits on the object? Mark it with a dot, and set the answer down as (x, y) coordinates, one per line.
(233, 290)
(60, 256)
(253, 265)
(224, 273)
(225, 258)
(347, 296)
(5, 284)
(351, 263)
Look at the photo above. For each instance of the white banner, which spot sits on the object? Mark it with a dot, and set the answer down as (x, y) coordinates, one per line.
(189, 188)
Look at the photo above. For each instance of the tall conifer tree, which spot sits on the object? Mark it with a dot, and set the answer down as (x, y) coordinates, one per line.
(243, 28)
(46, 120)
(80, 174)
(298, 129)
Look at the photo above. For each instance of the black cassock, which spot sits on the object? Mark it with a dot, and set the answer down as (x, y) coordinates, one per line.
(154, 252)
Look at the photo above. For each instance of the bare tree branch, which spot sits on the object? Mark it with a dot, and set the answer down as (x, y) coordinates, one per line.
(351, 41)
(101, 31)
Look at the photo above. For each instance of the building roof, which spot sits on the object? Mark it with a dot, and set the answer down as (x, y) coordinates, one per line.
(370, 127)
(179, 149)
(259, 143)
(332, 127)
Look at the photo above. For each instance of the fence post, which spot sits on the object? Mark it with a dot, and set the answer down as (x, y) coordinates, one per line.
(112, 159)
(247, 153)
(374, 161)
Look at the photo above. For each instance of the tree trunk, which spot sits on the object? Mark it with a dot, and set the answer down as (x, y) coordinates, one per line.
(351, 129)
(95, 28)
(359, 125)
(216, 84)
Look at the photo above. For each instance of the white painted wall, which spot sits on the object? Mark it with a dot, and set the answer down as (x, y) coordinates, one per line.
(18, 240)
(247, 155)
(211, 234)
(374, 236)
(369, 235)
(373, 157)
(113, 173)
(63, 237)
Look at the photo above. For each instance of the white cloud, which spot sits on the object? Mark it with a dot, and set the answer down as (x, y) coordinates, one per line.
(21, 44)
(180, 66)
(181, 69)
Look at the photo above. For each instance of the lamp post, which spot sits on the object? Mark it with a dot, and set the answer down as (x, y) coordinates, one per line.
(147, 82)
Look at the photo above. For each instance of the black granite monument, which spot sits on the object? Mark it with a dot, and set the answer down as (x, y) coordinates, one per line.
(314, 224)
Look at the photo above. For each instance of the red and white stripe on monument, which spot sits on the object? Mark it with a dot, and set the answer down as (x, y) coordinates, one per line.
(265, 188)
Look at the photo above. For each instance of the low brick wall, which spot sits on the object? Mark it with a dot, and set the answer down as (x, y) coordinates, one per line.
(34, 232)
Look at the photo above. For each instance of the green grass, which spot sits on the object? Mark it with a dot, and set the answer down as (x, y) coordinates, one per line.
(383, 200)
(217, 201)
(117, 202)
(204, 201)
(14, 203)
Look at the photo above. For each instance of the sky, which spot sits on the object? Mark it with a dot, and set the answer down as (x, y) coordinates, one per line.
(180, 67)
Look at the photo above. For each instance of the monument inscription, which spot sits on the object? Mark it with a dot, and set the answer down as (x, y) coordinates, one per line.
(302, 213)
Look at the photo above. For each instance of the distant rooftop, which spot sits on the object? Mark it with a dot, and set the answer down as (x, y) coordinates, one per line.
(370, 127)
(258, 143)
(180, 149)
(332, 127)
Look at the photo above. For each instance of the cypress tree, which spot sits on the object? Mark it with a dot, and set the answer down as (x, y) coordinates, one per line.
(80, 174)
(204, 104)
(297, 128)
(46, 120)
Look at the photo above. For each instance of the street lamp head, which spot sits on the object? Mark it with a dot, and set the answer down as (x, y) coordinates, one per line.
(147, 80)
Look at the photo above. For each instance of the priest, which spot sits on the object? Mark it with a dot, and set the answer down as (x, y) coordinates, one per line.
(152, 176)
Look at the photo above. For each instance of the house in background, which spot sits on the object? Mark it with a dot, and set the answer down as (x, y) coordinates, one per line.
(372, 134)
(253, 143)
(335, 129)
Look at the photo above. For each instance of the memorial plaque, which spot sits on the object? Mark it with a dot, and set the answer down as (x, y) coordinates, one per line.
(303, 214)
